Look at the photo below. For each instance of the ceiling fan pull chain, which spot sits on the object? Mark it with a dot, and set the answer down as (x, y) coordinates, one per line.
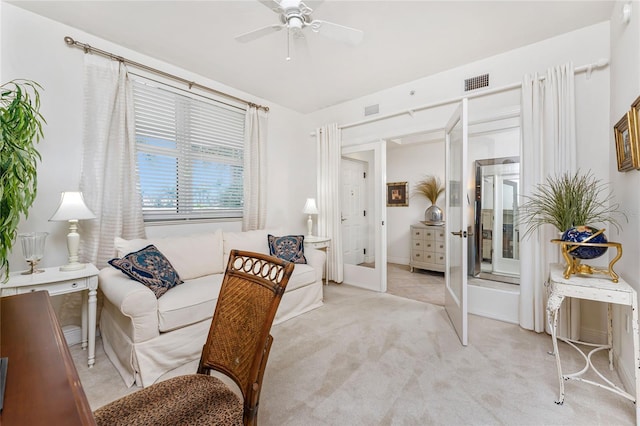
(288, 44)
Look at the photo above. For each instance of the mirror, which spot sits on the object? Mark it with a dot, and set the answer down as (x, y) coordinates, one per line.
(496, 251)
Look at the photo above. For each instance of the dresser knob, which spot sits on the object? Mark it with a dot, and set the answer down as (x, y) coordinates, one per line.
(74, 285)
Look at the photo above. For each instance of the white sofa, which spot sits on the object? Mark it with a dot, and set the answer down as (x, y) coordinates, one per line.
(144, 337)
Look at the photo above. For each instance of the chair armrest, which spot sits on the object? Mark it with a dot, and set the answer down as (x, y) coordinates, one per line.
(133, 300)
(316, 259)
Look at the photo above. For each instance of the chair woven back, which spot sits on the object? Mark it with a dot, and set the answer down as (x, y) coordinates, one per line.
(238, 342)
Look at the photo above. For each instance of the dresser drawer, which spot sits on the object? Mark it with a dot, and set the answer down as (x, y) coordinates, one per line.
(417, 233)
(423, 245)
(439, 247)
(429, 234)
(417, 256)
(440, 234)
(439, 258)
(56, 288)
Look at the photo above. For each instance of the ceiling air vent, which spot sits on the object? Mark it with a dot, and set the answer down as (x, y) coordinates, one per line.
(477, 82)
(371, 109)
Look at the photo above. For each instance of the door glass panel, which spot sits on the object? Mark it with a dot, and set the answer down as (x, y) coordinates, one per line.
(457, 208)
(363, 235)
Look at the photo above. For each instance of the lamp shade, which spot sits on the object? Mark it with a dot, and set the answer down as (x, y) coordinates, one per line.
(72, 207)
(310, 206)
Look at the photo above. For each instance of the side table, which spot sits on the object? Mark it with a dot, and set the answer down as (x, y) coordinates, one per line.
(599, 289)
(320, 243)
(58, 282)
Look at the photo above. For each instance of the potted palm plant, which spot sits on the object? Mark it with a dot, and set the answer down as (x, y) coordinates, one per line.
(572, 203)
(431, 188)
(20, 130)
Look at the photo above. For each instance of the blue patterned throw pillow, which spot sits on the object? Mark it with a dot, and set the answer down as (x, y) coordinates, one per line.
(149, 267)
(289, 247)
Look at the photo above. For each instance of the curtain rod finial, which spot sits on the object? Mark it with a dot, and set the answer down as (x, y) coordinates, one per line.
(69, 41)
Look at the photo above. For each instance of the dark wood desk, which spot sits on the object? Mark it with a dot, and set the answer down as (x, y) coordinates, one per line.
(43, 387)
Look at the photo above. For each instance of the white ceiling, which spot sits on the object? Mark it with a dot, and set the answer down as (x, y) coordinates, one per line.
(403, 40)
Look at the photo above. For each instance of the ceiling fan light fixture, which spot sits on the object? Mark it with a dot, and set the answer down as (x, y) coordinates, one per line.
(295, 22)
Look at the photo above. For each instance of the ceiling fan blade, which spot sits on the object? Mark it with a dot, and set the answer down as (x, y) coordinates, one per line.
(337, 32)
(273, 5)
(260, 32)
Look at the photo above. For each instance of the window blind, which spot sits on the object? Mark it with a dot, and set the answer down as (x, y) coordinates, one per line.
(189, 154)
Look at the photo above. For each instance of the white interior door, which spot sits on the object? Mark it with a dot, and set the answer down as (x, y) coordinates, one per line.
(455, 300)
(353, 208)
(374, 278)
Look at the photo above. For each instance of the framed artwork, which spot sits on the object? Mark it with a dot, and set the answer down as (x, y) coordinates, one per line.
(634, 124)
(626, 142)
(397, 194)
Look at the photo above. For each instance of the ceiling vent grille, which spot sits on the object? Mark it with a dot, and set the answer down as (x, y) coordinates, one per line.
(371, 109)
(477, 82)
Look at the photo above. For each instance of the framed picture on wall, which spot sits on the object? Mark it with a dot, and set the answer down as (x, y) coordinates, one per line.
(626, 143)
(397, 194)
(634, 125)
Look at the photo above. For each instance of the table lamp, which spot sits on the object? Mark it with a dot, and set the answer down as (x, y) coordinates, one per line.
(72, 208)
(310, 208)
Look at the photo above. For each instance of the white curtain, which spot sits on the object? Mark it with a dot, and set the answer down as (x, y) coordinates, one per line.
(255, 169)
(548, 148)
(329, 148)
(108, 179)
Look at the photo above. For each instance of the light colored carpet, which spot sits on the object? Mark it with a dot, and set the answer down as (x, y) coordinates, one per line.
(425, 286)
(367, 358)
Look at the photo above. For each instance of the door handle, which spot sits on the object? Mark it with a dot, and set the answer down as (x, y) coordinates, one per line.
(461, 234)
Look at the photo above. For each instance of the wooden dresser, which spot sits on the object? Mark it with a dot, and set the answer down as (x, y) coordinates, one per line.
(43, 387)
(427, 247)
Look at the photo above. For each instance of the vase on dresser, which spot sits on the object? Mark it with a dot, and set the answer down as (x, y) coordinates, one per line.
(433, 215)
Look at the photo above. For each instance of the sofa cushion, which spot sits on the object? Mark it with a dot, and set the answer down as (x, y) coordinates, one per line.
(189, 303)
(289, 248)
(149, 267)
(192, 256)
(255, 241)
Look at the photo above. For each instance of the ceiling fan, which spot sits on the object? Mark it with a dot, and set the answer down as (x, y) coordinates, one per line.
(295, 16)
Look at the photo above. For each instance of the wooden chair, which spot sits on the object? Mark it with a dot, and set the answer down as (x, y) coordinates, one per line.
(238, 346)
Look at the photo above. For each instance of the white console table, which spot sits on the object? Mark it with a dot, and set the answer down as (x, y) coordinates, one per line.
(320, 243)
(600, 289)
(58, 282)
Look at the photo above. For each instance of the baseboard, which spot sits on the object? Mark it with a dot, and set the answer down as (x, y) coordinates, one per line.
(593, 335)
(398, 260)
(495, 303)
(627, 377)
(72, 334)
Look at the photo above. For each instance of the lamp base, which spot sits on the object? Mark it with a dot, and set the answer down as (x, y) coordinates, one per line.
(73, 266)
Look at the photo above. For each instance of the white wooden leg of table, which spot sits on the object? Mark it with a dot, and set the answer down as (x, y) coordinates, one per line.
(84, 320)
(553, 306)
(92, 327)
(636, 354)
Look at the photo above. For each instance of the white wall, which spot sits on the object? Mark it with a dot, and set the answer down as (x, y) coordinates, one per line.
(33, 48)
(625, 88)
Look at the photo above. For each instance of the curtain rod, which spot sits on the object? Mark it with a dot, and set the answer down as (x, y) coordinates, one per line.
(586, 68)
(88, 48)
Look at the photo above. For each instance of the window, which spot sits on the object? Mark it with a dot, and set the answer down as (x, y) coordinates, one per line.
(189, 153)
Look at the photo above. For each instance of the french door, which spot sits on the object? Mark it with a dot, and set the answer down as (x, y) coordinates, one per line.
(456, 180)
(372, 277)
